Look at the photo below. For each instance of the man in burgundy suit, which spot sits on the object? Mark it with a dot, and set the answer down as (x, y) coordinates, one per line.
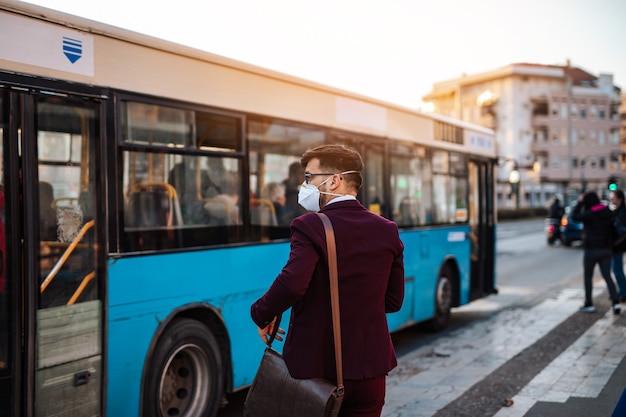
(371, 283)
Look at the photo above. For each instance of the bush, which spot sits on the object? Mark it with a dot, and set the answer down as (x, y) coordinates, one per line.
(522, 213)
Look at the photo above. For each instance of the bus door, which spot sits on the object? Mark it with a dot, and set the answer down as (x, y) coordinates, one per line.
(481, 212)
(51, 295)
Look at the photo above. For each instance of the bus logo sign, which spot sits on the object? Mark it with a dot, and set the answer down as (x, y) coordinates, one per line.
(72, 48)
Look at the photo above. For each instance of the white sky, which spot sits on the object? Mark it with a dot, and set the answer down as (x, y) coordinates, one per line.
(393, 50)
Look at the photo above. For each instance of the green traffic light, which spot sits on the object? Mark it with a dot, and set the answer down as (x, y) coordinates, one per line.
(612, 187)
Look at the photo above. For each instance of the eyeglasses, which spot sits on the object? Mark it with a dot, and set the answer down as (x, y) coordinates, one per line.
(307, 176)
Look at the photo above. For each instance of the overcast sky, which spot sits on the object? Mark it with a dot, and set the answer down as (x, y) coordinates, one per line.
(393, 50)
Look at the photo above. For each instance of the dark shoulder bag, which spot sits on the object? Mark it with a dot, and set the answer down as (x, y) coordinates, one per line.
(274, 393)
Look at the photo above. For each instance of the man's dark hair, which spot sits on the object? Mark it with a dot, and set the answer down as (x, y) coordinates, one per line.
(337, 159)
(619, 194)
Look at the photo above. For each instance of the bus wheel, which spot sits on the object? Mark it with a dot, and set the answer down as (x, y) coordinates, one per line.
(443, 302)
(184, 377)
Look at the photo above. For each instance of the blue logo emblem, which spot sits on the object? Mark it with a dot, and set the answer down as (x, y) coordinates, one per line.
(72, 49)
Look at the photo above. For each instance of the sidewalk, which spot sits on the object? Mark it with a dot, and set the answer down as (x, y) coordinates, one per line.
(586, 380)
(426, 381)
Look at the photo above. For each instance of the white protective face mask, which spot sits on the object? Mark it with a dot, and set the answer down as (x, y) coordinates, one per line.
(309, 195)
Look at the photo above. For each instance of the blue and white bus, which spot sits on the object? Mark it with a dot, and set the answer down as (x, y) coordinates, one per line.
(146, 194)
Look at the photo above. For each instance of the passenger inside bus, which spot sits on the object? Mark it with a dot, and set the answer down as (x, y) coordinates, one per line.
(47, 213)
(275, 193)
(223, 209)
(292, 186)
(185, 182)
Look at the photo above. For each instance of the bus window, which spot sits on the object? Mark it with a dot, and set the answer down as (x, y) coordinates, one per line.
(67, 262)
(450, 181)
(181, 180)
(459, 188)
(167, 192)
(374, 195)
(276, 173)
(411, 187)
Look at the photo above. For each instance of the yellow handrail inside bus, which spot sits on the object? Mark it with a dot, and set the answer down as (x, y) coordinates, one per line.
(66, 255)
(81, 287)
(143, 186)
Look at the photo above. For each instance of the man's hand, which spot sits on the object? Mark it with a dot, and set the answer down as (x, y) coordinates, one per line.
(266, 332)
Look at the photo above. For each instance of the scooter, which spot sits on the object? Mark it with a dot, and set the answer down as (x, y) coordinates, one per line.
(553, 230)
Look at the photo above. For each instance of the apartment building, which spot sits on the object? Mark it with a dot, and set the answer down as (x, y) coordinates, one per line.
(557, 127)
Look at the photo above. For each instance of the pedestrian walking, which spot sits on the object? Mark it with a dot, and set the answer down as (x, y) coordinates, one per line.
(598, 236)
(371, 284)
(617, 262)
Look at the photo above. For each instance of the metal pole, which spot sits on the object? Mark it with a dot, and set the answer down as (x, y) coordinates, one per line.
(583, 181)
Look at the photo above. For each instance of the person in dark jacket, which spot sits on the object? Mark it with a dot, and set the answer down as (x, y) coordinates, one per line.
(556, 209)
(617, 199)
(555, 213)
(371, 284)
(598, 226)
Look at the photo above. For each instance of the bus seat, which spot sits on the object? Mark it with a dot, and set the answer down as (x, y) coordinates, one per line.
(154, 204)
(262, 212)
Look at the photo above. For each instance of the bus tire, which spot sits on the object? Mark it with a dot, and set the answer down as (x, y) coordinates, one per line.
(185, 375)
(443, 301)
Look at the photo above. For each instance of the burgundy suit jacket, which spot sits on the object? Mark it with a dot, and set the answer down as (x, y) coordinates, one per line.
(371, 283)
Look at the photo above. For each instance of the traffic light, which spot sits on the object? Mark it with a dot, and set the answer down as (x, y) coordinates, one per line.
(612, 185)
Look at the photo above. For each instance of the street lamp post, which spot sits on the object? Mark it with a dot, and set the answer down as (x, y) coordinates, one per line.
(515, 175)
(514, 178)
(583, 181)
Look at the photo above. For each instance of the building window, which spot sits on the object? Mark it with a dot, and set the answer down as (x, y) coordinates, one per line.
(614, 137)
(554, 136)
(574, 111)
(594, 112)
(555, 162)
(563, 136)
(582, 135)
(555, 110)
(564, 111)
(574, 136)
(540, 109)
(601, 137)
(583, 112)
(602, 113)
(574, 162)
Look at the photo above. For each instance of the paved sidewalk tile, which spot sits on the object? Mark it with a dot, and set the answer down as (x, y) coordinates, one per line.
(582, 370)
(428, 379)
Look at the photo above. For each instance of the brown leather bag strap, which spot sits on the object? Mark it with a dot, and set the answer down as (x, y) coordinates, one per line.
(334, 295)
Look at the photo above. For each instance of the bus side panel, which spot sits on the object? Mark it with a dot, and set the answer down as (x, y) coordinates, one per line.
(143, 291)
(423, 259)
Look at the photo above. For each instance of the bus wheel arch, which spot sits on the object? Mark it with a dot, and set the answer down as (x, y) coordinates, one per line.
(186, 370)
(446, 295)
